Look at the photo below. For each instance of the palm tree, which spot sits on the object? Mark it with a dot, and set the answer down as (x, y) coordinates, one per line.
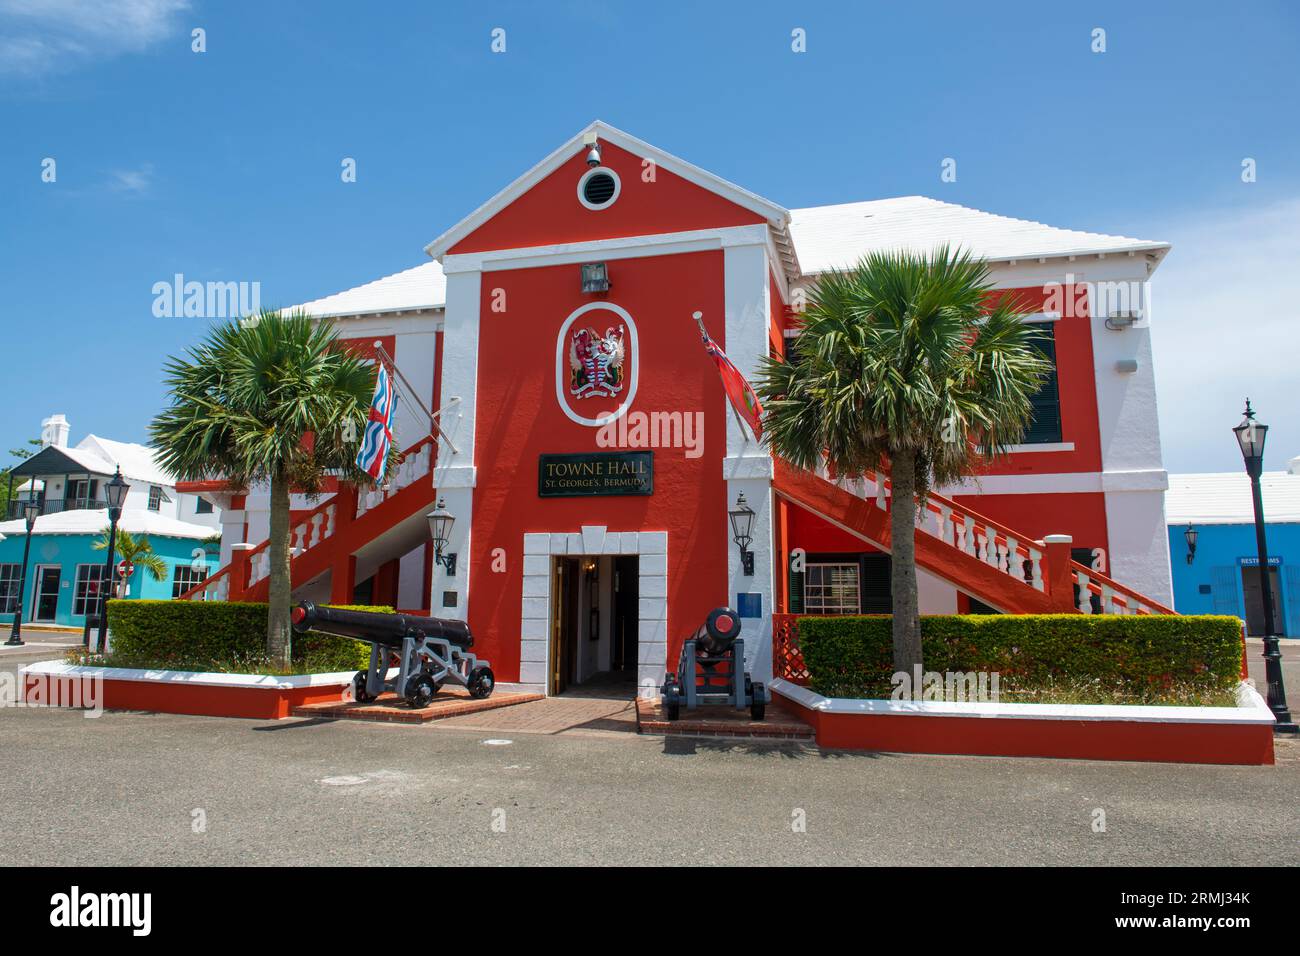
(270, 399)
(911, 362)
(133, 550)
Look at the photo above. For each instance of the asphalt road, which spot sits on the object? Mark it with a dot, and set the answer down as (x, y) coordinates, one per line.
(130, 788)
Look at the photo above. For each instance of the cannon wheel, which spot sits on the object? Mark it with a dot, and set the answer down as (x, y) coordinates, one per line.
(420, 691)
(480, 683)
(359, 692)
(757, 705)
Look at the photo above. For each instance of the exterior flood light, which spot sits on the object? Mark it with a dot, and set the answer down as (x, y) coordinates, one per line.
(595, 277)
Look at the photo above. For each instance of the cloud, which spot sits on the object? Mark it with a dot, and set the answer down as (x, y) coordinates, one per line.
(43, 36)
(135, 182)
(1226, 325)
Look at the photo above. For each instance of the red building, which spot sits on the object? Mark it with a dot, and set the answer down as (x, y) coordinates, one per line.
(590, 458)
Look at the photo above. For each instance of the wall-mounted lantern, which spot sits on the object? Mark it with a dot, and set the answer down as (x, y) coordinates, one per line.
(440, 522)
(1190, 536)
(742, 528)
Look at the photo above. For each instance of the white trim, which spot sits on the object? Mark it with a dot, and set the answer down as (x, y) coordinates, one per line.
(195, 678)
(561, 365)
(618, 247)
(777, 215)
(652, 612)
(1044, 446)
(582, 182)
(1042, 317)
(1250, 709)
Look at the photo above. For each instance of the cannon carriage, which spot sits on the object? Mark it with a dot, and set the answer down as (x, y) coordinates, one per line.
(711, 670)
(429, 651)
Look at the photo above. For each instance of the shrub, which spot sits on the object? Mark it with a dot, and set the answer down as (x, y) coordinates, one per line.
(219, 636)
(1140, 658)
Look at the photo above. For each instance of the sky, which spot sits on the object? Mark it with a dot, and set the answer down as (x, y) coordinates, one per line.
(225, 164)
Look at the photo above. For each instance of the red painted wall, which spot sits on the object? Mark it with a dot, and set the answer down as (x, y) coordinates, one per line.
(519, 418)
(551, 213)
(1078, 388)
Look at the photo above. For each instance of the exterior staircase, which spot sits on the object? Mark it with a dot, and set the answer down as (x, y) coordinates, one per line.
(1003, 568)
(347, 535)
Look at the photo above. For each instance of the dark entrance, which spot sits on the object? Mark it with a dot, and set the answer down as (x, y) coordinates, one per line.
(46, 606)
(593, 625)
(1254, 597)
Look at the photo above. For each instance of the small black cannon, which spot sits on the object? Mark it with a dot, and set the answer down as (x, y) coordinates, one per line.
(711, 670)
(430, 651)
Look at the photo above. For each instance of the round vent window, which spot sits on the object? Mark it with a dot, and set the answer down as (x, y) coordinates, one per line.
(598, 188)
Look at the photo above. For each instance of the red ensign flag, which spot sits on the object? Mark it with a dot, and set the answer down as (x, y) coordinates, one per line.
(740, 393)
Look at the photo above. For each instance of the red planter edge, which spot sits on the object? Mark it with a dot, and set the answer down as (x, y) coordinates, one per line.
(1213, 735)
(176, 692)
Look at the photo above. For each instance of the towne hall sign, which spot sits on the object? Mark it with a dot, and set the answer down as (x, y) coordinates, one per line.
(596, 473)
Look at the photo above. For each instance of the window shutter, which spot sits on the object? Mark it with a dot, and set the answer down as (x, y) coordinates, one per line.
(1292, 607)
(1045, 419)
(1226, 588)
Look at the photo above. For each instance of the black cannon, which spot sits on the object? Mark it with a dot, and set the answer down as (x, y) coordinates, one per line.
(430, 651)
(711, 670)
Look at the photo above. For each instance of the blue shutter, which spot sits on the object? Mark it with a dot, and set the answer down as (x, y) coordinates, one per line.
(1225, 581)
(1291, 587)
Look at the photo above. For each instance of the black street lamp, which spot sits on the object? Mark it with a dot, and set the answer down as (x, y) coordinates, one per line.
(115, 495)
(742, 528)
(440, 522)
(1190, 536)
(1250, 436)
(31, 508)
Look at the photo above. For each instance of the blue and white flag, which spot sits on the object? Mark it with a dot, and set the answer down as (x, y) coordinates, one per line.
(378, 435)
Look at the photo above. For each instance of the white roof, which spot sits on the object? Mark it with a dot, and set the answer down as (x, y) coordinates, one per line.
(91, 521)
(103, 456)
(136, 461)
(423, 287)
(1225, 498)
(833, 237)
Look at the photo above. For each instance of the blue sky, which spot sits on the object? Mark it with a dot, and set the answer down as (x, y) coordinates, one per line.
(224, 165)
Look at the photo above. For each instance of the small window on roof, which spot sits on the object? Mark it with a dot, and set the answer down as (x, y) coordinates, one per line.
(155, 498)
(599, 188)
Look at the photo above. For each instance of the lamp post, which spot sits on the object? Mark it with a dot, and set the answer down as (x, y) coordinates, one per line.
(742, 528)
(1250, 437)
(31, 508)
(115, 495)
(440, 522)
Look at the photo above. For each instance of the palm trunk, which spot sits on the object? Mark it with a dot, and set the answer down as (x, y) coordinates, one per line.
(277, 621)
(906, 625)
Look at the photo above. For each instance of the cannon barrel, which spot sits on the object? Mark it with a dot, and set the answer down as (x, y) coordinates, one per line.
(376, 627)
(718, 632)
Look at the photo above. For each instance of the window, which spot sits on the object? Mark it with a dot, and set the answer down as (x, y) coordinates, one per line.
(186, 577)
(831, 589)
(202, 506)
(87, 597)
(155, 498)
(1045, 420)
(9, 574)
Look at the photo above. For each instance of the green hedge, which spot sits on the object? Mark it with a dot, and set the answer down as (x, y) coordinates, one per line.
(219, 636)
(1139, 657)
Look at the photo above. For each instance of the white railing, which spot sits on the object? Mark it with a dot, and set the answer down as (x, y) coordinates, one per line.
(413, 467)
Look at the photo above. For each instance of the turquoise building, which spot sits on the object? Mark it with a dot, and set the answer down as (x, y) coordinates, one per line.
(1222, 575)
(64, 575)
